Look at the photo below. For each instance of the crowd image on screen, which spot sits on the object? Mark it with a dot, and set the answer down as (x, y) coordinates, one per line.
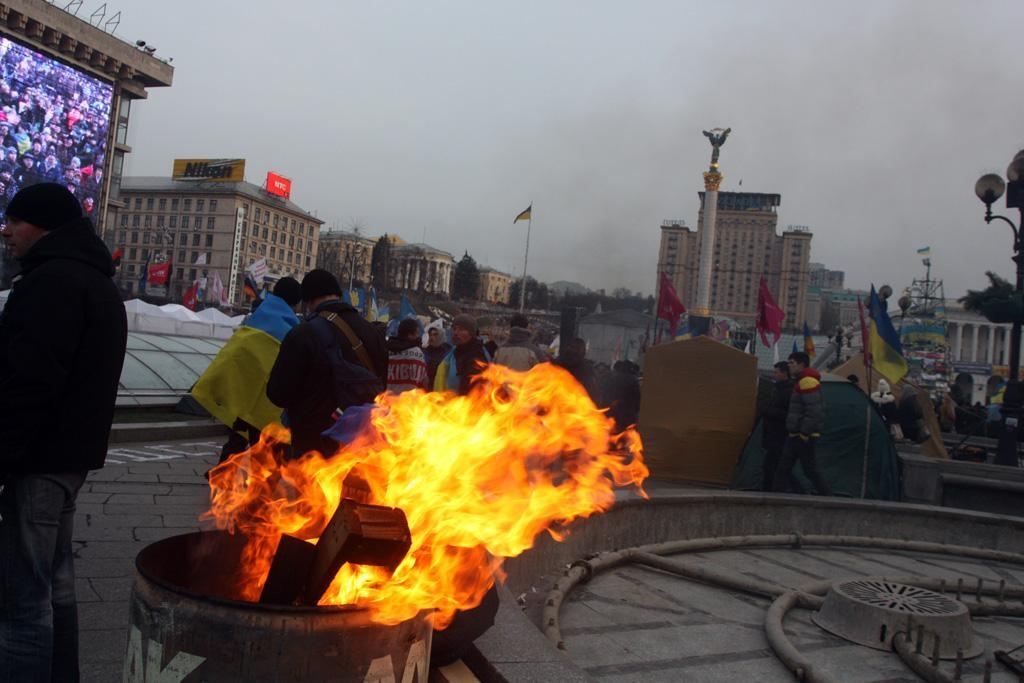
(54, 122)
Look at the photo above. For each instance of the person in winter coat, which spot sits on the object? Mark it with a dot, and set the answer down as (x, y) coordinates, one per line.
(63, 334)
(407, 368)
(573, 358)
(519, 352)
(885, 403)
(434, 352)
(468, 358)
(620, 394)
(804, 424)
(910, 416)
(302, 379)
(773, 423)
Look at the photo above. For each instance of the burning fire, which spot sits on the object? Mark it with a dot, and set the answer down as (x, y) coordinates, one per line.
(478, 476)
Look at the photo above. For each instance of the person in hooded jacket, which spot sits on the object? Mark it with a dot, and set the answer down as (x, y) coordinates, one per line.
(302, 379)
(63, 335)
(407, 369)
(620, 394)
(435, 351)
(805, 421)
(519, 352)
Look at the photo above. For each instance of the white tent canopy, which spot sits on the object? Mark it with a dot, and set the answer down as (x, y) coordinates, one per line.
(178, 320)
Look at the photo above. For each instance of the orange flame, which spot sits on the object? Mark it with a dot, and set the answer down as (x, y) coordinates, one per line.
(478, 476)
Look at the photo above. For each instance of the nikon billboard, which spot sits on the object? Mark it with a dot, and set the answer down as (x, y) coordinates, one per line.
(219, 170)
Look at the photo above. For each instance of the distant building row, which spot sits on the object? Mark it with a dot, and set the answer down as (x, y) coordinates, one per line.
(415, 267)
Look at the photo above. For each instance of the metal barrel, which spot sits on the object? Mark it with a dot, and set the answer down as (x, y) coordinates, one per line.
(187, 624)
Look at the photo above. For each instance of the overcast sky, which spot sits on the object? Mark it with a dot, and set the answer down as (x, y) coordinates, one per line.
(872, 119)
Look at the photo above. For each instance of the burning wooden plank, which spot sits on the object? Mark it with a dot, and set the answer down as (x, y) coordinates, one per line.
(360, 534)
(288, 571)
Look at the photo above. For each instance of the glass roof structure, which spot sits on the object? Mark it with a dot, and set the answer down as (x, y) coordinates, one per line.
(159, 369)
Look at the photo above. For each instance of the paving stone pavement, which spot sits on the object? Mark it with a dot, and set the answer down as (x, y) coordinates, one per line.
(146, 492)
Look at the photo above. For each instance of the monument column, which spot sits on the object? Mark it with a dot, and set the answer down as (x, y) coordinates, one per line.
(700, 319)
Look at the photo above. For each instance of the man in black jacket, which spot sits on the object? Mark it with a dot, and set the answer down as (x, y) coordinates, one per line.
(773, 423)
(301, 380)
(62, 340)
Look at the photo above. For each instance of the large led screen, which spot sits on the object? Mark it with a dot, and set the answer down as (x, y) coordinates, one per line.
(53, 125)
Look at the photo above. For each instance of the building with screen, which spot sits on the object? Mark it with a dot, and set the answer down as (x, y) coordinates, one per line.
(495, 286)
(747, 247)
(212, 230)
(66, 89)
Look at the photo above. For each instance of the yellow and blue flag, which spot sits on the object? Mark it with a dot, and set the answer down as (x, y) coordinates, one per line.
(886, 351)
(524, 215)
(234, 386)
(924, 251)
(809, 342)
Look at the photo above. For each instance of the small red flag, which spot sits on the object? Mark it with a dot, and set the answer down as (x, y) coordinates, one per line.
(117, 256)
(160, 273)
(669, 305)
(190, 299)
(769, 315)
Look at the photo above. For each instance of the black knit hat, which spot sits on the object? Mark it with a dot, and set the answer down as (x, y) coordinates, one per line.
(46, 205)
(289, 289)
(318, 283)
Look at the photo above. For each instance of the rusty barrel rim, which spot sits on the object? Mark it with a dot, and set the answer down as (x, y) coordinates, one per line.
(143, 559)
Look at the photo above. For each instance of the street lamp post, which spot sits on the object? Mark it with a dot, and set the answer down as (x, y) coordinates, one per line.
(989, 188)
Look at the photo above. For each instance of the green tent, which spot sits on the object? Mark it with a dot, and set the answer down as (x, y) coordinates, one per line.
(840, 452)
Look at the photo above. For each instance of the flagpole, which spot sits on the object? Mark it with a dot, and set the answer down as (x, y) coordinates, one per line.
(526, 258)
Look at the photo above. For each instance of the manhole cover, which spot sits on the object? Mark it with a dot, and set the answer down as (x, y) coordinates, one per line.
(871, 611)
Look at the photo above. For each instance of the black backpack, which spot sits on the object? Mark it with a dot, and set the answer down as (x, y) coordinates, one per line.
(354, 383)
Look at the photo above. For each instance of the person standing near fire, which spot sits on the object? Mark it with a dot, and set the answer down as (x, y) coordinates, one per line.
(330, 362)
(407, 369)
(63, 334)
(467, 359)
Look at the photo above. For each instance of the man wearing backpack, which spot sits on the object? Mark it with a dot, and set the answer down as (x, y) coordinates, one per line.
(330, 362)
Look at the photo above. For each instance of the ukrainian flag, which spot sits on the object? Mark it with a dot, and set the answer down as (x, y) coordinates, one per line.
(809, 342)
(235, 385)
(524, 215)
(924, 251)
(884, 342)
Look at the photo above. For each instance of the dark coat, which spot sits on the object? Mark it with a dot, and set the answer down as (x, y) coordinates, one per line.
(621, 395)
(773, 417)
(63, 335)
(470, 360)
(301, 381)
(806, 405)
(583, 370)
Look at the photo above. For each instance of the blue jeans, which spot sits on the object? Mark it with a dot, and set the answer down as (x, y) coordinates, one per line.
(38, 614)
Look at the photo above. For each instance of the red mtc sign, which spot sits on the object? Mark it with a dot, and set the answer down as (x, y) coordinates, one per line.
(279, 185)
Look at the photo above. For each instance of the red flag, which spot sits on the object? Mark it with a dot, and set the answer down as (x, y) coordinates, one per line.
(191, 296)
(159, 273)
(669, 305)
(769, 315)
(864, 332)
(117, 256)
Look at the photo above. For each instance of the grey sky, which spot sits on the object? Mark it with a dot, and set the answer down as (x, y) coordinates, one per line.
(872, 119)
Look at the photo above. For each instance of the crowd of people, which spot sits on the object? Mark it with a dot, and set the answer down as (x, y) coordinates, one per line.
(54, 123)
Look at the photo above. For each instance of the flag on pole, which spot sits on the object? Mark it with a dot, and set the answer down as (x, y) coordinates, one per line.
(159, 273)
(924, 251)
(190, 299)
(809, 342)
(200, 259)
(117, 256)
(884, 342)
(252, 291)
(258, 270)
(217, 290)
(769, 315)
(669, 305)
(523, 215)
